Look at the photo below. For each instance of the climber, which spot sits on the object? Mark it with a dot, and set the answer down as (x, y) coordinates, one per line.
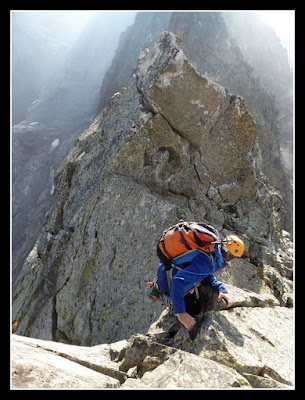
(191, 269)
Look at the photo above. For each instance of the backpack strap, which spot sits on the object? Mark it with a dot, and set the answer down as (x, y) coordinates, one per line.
(183, 239)
(187, 253)
(169, 275)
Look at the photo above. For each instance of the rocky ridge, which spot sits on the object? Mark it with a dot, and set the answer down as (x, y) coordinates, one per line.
(218, 46)
(222, 47)
(172, 144)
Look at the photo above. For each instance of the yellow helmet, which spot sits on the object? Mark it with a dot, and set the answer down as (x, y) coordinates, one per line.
(235, 245)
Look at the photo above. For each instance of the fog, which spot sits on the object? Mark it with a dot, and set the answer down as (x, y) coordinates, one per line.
(261, 42)
(45, 42)
(283, 23)
(66, 26)
(59, 60)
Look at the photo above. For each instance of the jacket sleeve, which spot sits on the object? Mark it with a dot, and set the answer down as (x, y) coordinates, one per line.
(215, 284)
(201, 268)
(219, 262)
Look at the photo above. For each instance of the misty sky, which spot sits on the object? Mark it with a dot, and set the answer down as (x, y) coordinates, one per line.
(283, 22)
(68, 25)
(64, 25)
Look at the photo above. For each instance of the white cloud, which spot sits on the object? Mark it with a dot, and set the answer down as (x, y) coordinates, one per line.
(282, 21)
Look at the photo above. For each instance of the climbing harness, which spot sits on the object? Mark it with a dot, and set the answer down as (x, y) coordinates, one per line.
(156, 294)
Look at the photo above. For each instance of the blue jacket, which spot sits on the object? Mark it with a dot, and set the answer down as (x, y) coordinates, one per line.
(201, 268)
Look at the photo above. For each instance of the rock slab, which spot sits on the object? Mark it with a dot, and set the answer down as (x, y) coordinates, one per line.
(249, 345)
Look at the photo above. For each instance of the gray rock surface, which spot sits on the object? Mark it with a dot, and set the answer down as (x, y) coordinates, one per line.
(238, 52)
(44, 364)
(170, 145)
(247, 346)
(220, 45)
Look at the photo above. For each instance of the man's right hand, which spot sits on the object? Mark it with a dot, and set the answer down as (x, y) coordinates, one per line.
(187, 320)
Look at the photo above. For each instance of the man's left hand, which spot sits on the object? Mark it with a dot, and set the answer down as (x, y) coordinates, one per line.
(227, 299)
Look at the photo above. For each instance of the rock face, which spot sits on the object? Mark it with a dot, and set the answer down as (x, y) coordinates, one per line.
(250, 345)
(37, 151)
(215, 43)
(170, 145)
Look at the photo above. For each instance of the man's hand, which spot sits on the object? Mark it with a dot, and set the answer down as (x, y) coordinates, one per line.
(187, 320)
(227, 299)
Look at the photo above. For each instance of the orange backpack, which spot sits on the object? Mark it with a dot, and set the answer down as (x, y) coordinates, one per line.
(186, 236)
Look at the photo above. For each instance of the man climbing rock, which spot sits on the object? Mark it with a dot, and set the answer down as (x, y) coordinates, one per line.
(180, 275)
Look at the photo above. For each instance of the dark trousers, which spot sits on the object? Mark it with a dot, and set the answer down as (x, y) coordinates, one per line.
(192, 305)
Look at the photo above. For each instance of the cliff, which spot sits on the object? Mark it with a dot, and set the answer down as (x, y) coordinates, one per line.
(170, 145)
